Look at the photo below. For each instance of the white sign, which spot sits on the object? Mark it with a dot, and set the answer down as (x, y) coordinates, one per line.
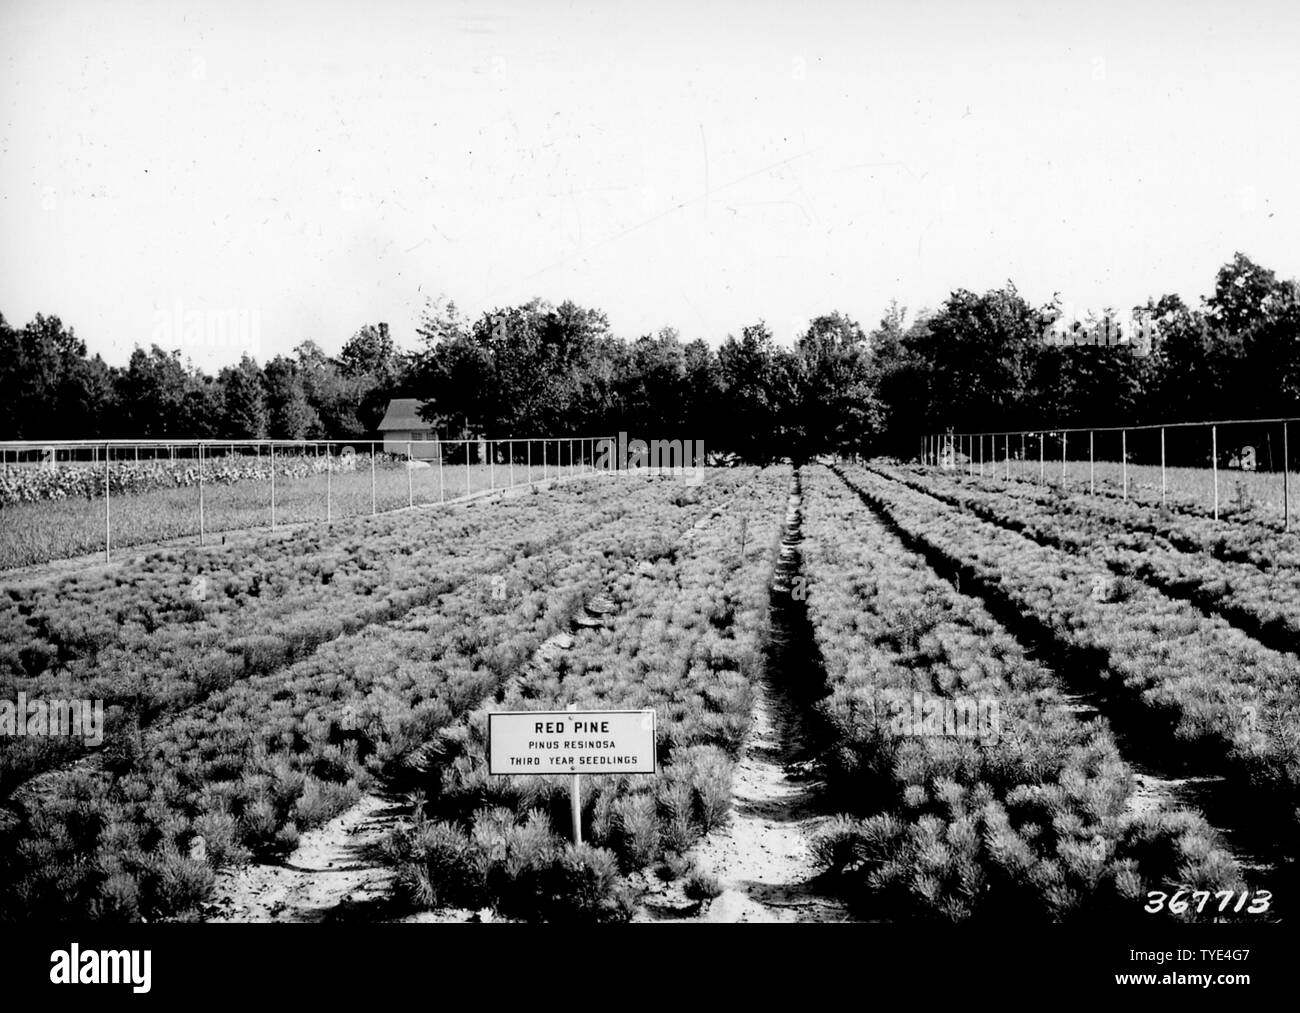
(571, 742)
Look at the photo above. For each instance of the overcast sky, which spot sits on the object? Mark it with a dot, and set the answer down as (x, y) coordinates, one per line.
(703, 164)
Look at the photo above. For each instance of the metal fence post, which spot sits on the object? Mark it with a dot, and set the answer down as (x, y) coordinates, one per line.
(512, 463)
(272, 458)
(108, 509)
(1286, 481)
(1163, 484)
(529, 464)
(1092, 467)
(1006, 451)
(202, 534)
(543, 460)
(492, 467)
(1042, 461)
(1214, 459)
(329, 485)
(374, 499)
(1064, 437)
(1123, 454)
(442, 485)
(467, 469)
(410, 493)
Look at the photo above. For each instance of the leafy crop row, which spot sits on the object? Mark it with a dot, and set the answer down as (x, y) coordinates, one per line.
(29, 484)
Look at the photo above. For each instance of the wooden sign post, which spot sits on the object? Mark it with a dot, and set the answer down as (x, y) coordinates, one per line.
(572, 742)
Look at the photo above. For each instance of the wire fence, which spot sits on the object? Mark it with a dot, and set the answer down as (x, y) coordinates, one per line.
(1238, 469)
(69, 498)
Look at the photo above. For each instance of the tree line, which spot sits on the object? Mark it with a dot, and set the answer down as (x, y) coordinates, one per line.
(977, 362)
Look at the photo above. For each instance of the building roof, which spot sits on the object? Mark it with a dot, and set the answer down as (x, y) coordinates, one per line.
(402, 415)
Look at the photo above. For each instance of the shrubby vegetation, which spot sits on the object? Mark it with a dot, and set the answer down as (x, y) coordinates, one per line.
(301, 686)
(685, 639)
(1264, 602)
(1031, 825)
(182, 625)
(1202, 686)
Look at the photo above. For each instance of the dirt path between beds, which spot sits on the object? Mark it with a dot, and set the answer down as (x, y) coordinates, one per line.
(763, 857)
(763, 860)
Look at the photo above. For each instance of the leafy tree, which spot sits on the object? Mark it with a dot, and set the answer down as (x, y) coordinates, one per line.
(977, 348)
(49, 389)
(897, 374)
(650, 384)
(702, 394)
(370, 359)
(834, 400)
(290, 415)
(978, 362)
(243, 400)
(370, 352)
(749, 378)
(153, 397)
(334, 397)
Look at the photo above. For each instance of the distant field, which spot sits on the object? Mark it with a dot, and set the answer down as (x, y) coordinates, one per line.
(39, 532)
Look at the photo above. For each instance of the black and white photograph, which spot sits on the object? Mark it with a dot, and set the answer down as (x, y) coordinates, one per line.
(585, 468)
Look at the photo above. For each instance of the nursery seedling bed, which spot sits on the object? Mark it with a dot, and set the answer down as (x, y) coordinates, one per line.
(1171, 771)
(763, 860)
(683, 639)
(1263, 605)
(860, 564)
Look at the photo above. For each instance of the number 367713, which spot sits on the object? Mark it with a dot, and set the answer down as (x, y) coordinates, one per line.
(1251, 902)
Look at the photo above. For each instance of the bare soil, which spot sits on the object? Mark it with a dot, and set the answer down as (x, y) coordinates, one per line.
(332, 873)
(763, 859)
